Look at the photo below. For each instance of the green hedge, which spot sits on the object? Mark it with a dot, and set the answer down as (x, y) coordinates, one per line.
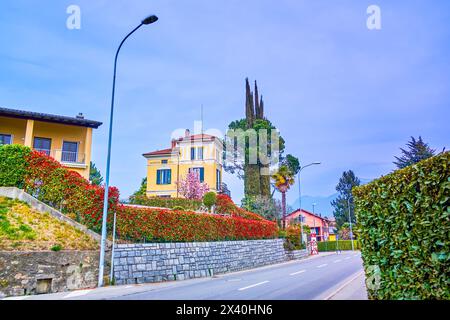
(404, 231)
(13, 165)
(333, 245)
(186, 204)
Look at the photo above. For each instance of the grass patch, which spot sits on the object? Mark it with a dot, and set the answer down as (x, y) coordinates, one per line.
(23, 228)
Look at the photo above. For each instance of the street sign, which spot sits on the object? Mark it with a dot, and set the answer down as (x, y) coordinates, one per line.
(313, 245)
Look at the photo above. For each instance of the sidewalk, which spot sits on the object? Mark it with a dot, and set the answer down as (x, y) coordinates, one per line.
(352, 289)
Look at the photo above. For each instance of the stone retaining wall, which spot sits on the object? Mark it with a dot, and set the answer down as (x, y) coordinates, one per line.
(34, 272)
(155, 262)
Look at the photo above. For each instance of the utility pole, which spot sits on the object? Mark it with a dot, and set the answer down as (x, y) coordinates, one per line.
(300, 197)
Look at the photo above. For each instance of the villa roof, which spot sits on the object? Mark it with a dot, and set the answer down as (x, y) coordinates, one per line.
(75, 121)
(194, 137)
(307, 212)
(158, 152)
(203, 136)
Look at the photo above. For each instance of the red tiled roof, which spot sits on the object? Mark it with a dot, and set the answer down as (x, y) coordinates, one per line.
(305, 211)
(203, 136)
(158, 152)
(197, 137)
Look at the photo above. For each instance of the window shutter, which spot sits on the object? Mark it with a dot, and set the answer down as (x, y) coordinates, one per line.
(202, 174)
(169, 176)
(158, 177)
(192, 153)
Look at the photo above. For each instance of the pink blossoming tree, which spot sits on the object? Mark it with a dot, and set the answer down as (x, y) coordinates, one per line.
(191, 187)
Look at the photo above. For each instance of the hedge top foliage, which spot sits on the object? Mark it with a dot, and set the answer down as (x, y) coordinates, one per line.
(404, 222)
(13, 165)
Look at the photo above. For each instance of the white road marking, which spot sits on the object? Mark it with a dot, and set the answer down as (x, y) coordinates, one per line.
(322, 265)
(298, 272)
(355, 255)
(77, 293)
(128, 287)
(346, 258)
(253, 285)
(336, 261)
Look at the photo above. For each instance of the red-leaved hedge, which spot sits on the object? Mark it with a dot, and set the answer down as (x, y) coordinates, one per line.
(66, 190)
(46, 179)
(224, 205)
(166, 225)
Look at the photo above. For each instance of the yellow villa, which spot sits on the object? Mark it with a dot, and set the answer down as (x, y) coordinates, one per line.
(67, 139)
(199, 152)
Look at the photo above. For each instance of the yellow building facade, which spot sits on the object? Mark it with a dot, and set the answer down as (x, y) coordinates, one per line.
(67, 139)
(200, 152)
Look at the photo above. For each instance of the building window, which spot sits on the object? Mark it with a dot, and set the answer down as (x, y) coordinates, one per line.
(196, 153)
(164, 161)
(69, 152)
(164, 176)
(200, 171)
(5, 139)
(42, 145)
(218, 179)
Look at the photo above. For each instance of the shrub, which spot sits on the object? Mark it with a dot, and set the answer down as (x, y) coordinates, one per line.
(323, 246)
(56, 247)
(170, 203)
(404, 230)
(224, 205)
(13, 165)
(178, 208)
(209, 199)
(292, 241)
(146, 224)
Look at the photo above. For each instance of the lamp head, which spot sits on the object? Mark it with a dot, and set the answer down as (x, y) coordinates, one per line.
(150, 19)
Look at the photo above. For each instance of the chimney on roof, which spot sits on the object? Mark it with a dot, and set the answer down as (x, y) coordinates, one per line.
(80, 116)
(187, 133)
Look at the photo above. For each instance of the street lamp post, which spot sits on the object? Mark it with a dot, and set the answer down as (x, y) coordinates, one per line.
(300, 198)
(149, 20)
(350, 221)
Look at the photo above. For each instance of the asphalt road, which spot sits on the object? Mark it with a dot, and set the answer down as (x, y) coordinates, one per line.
(320, 277)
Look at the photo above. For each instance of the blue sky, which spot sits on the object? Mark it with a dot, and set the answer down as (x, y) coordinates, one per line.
(340, 93)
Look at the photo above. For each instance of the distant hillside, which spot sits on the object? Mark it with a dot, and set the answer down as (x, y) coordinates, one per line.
(323, 203)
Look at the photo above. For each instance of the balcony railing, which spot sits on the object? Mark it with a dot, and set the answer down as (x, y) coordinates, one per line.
(64, 156)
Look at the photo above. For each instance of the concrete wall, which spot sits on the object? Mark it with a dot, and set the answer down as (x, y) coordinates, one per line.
(23, 273)
(155, 262)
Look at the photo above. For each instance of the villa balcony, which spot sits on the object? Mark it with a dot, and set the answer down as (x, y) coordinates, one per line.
(66, 158)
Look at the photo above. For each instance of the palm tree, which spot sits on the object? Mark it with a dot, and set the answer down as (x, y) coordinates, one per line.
(283, 179)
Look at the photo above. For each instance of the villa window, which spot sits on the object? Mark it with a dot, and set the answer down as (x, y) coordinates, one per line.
(69, 151)
(196, 153)
(164, 161)
(164, 176)
(5, 139)
(218, 179)
(42, 145)
(200, 171)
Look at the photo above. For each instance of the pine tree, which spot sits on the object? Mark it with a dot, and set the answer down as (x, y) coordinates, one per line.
(95, 176)
(345, 197)
(417, 151)
(255, 183)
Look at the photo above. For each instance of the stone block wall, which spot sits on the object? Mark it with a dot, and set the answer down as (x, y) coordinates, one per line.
(34, 272)
(155, 262)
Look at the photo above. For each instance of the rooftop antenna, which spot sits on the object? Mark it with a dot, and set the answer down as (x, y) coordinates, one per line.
(201, 119)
